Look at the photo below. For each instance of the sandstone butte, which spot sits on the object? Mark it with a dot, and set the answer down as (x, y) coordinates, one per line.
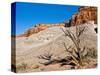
(84, 15)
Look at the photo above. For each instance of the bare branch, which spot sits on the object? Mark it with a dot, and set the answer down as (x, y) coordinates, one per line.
(74, 58)
(67, 49)
(76, 54)
(81, 31)
(45, 56)
(71, 36)
(64, 32)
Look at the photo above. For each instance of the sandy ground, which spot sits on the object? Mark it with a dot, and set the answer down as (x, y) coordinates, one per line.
(50, 41)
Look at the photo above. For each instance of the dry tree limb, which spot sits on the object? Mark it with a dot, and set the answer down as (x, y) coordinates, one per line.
(76, 41)
(71, 36)
(81, 31)
(49, 60)
(73, 57)
(45, 56)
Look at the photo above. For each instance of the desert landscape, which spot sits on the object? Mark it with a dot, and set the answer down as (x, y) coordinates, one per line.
(62, 46)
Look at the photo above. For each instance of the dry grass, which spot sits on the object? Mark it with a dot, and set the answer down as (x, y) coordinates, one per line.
(21, 67)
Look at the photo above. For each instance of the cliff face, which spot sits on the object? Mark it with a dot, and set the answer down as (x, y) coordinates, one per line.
(84, 15)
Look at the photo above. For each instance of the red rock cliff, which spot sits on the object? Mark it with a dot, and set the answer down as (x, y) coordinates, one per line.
(84, 15)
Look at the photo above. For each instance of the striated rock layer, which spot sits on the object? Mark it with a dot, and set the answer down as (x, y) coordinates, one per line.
(84, 15)
(38, 28)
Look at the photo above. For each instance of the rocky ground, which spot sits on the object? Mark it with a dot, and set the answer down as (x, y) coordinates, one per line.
(50, 42)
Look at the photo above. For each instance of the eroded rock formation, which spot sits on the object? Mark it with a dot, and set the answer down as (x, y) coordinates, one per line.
(84, 15)
(38, 28)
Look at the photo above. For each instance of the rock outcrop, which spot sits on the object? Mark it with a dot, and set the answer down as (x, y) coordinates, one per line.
(84, 15)
(38, 28)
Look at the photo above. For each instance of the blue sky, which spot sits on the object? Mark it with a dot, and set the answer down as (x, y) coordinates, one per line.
(29, 14)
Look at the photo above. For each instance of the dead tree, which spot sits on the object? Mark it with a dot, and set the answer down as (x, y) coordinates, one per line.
(75, 38)
(49, 59)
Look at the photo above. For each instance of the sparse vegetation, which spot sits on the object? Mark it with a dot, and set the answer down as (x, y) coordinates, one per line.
(48, 57)
(77, 53)
(21, 67)
(92, 52)
(35, 66)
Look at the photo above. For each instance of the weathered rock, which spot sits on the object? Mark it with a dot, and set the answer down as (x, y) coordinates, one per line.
(84, 15)
(38, 28)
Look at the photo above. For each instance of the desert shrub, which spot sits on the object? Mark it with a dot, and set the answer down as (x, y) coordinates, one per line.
(92, 52)
(21, 67)
(35, 66)
(77, 52)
